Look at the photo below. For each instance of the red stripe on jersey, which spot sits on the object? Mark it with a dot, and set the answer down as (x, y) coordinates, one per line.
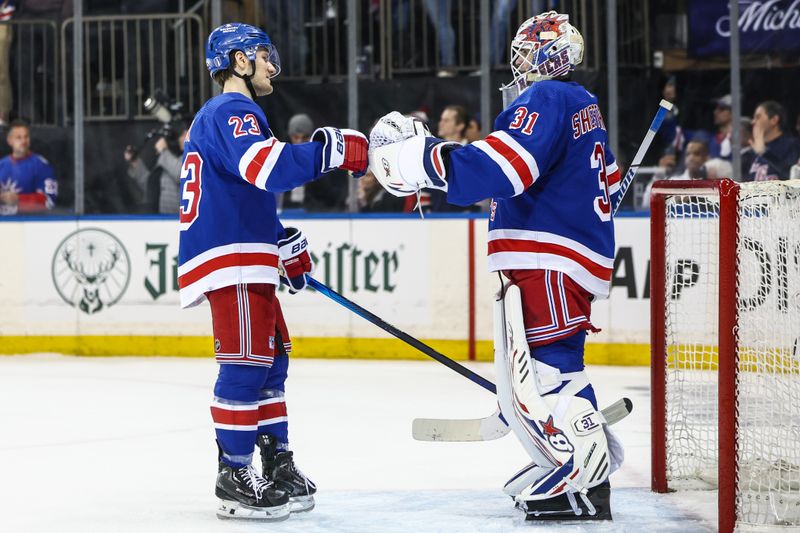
(224, 261)
(519, 245)
(255, 165)
(436, 155)
(271, 410)
(234, 418)
(613, 178)
(519, 164)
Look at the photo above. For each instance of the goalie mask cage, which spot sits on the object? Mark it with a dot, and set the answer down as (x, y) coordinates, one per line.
(725, 322)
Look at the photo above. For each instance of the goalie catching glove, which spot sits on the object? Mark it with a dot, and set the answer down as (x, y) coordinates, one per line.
(293, 251)
(405, 167)
(345, 149)
(405, 157)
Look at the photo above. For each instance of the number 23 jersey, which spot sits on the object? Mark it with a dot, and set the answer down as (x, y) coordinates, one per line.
(553, 180)
(232, 168)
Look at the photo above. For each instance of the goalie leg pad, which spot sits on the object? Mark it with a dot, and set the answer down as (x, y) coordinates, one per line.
(546, 408)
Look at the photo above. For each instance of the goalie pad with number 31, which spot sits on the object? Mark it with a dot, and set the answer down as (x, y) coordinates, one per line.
(563, 433)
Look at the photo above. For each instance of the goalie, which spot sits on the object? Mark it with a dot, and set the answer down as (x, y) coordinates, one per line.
(552, 178)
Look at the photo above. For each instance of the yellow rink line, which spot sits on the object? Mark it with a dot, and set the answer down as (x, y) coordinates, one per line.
(307, 347)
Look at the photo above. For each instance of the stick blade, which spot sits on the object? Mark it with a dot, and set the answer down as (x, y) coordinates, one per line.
(471, 430)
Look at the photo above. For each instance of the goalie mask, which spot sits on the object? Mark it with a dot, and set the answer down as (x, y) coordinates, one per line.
(546, 46)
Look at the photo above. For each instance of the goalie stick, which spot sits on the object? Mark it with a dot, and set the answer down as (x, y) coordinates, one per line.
(491, 427)
(664, 107)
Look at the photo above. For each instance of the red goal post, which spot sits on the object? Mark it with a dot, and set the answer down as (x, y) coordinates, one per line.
(725, 323)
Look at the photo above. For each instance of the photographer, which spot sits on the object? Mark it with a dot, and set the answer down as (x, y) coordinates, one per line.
(158, 188)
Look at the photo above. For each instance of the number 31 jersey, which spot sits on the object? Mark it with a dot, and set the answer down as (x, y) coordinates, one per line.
(553, 180)
(232, 168)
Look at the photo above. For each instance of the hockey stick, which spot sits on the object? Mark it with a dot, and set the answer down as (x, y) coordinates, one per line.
(493, 426)
(664, 107)
(403, 336)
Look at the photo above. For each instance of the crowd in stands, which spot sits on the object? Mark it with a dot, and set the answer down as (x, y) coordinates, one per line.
(769, 149)
(769, 146)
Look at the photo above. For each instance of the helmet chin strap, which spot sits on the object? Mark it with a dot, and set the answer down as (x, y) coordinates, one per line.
(247, 79)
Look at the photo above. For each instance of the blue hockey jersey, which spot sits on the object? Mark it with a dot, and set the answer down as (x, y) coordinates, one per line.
(232, 168)
(32, 178)
(553, 180)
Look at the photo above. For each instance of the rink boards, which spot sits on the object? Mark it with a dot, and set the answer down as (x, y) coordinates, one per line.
(105, 286)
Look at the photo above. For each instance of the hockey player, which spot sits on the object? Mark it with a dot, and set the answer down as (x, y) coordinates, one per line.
(232, 246)
(552, 178)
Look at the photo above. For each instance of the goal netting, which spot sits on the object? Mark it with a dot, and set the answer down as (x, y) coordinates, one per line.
(731, 300)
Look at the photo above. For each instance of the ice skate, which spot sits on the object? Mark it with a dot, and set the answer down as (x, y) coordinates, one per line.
(244, 494)
(594, 505)
(279, 468)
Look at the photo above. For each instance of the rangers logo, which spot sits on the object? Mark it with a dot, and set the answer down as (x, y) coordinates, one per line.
(555, 437)
(91, 270)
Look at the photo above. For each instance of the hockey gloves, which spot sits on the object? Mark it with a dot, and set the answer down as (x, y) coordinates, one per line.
(405, 167)
(293, 251)
(346, 149)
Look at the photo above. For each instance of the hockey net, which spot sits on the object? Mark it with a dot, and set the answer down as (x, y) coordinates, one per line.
(725, 266)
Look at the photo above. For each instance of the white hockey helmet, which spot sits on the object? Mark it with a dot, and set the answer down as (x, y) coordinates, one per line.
(546, 46)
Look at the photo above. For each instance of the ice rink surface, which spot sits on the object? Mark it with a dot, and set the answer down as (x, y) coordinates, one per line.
(126, 444)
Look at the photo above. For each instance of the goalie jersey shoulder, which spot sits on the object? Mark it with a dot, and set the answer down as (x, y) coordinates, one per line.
(559, 215)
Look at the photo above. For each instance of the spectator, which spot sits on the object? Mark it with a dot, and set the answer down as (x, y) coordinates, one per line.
(774, 151)
(720, 145)
(320, 195)
(453, 124)
(452, 127)
(697, 153)
(473, 131)
(6, 11)
(670, 133)
(157, 189)
(717, 168)
(695, 159)
(748, 155)
(439, 14)
(372, 198)
(27, 182)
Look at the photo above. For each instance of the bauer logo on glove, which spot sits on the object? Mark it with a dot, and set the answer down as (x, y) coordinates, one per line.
(295, 260)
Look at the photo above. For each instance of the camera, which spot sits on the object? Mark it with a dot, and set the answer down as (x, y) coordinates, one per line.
(169, 113)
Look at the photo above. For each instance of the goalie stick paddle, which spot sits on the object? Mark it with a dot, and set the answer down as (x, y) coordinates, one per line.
(664, 107)
(492, 427)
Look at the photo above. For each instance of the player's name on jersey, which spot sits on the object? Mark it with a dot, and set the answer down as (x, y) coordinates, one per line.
(586, 120)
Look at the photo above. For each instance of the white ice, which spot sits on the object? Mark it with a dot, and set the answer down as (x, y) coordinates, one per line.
(126, 444)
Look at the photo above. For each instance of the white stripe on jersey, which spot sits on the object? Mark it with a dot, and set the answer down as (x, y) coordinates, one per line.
(544, 261)
(614, 187)
(268, 164)
(552, 238)
(504, 164)
(194, 293)
(219, 251)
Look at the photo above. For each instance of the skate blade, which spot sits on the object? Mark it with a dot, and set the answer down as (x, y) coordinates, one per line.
(301, 504)
(229, 510)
